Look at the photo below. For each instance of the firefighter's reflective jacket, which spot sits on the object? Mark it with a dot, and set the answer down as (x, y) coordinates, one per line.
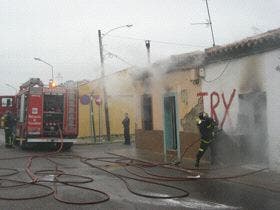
(207, 127)
(2, 121)
(9, 121)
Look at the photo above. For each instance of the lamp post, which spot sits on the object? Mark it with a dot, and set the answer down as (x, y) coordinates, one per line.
(100, 37)
(39, 59)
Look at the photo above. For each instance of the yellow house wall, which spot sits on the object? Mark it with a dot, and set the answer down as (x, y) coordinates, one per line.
(179, 82)
(118, 106)
(120, 91)
(157, 104)
(139, 91)
(84, 123)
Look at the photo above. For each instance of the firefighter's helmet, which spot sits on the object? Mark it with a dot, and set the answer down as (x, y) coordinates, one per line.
(202, 115)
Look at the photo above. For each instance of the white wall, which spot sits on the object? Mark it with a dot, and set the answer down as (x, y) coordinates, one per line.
(272, 60)
(243, 75)
(248, 74)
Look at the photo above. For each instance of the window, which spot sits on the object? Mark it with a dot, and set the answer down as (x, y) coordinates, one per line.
(147, 114)
(7, 102)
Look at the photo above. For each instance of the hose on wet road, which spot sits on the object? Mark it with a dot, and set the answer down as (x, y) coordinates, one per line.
(141, 177)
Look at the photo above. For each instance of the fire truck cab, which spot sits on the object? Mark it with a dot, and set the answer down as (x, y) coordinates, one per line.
(46, 114)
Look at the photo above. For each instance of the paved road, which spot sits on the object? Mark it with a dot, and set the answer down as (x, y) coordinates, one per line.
(207, 194)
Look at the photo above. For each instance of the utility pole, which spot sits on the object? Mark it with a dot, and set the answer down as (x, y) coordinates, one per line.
(148, 45)
(107, 122)
(210, 23)
(100, 37)
(92, 124)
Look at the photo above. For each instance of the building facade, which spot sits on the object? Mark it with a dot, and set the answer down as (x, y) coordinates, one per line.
(237, 84)
(167, 105)
(121, 100)
(240, 88)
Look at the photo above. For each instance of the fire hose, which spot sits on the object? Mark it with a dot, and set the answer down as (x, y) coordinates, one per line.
(128, 164)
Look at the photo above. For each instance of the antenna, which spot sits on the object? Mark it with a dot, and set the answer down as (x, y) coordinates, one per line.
(207, 23)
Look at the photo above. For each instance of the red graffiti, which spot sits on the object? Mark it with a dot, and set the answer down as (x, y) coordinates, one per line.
(214, 106)
(227, 106)
(202, 94)
(215, 102)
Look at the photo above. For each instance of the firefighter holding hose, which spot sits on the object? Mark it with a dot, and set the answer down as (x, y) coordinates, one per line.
(207, 128)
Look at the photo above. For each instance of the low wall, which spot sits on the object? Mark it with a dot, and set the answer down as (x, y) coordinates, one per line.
(189, 144)
(229, 149)
(153, 140)
(149, 140)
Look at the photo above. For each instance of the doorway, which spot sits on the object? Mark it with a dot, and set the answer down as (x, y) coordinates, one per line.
(252, 120)
(170, 124)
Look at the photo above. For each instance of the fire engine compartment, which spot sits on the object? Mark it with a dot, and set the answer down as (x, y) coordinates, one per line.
(53, 114)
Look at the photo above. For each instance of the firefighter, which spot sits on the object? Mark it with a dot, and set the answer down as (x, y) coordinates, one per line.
(9, 124)
(207, 127)
(126, 123)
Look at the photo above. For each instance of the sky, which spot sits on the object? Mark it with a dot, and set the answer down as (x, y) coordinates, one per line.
(64, 33)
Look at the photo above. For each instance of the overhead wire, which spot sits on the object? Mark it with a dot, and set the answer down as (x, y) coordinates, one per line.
(157, 41)
(220, 75)
(119, 57)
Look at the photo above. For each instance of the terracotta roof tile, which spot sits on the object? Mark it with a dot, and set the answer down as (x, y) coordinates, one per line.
(273, 35)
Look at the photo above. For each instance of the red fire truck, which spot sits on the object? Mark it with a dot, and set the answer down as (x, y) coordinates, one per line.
(46, 114)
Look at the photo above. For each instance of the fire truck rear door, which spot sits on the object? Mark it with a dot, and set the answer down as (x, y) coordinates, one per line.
(34, 118)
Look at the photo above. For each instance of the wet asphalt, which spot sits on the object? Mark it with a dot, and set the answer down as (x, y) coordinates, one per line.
(203, 194)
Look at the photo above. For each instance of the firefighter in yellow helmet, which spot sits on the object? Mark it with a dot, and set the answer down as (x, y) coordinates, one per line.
(207, 127)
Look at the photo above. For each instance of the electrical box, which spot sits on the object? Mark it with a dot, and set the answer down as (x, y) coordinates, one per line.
(194, 74)
(201, 72)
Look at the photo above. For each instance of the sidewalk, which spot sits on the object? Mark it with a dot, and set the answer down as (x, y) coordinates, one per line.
(266, 179)
(258, 176)
(101, 140)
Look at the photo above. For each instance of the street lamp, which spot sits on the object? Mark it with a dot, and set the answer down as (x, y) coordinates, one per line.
(39, 59)
(100, 37)
(128, 26)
